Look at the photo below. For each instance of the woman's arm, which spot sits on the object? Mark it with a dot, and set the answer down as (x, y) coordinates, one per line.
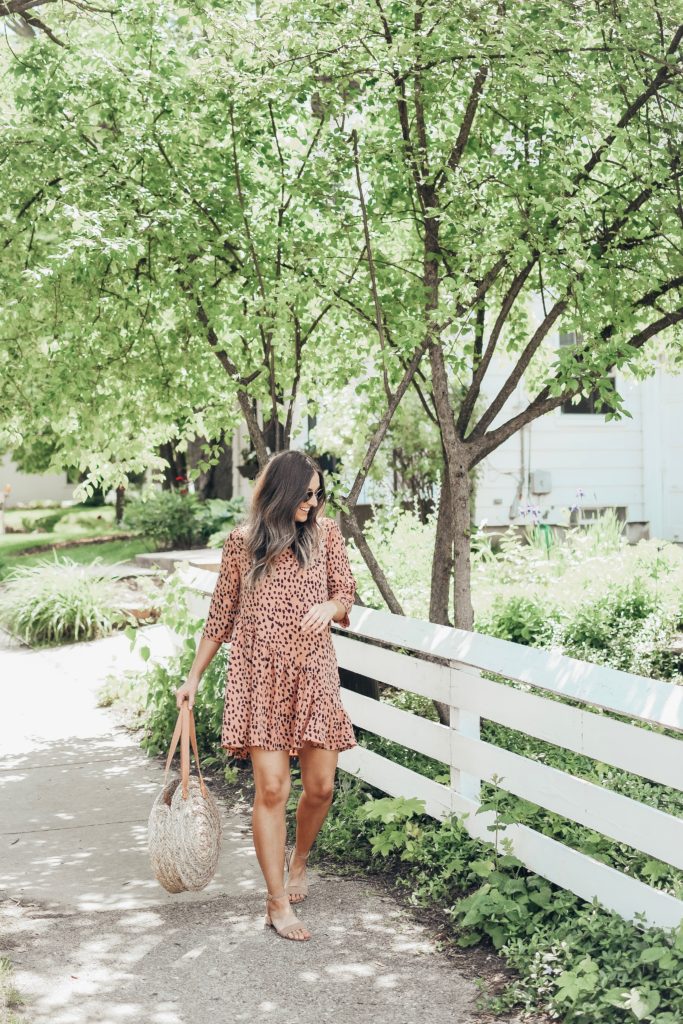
(206, 651)
(341, 585)
(219, 621)
(225, 599)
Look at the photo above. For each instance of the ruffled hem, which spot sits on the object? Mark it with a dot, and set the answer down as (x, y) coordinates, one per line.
(338, 736)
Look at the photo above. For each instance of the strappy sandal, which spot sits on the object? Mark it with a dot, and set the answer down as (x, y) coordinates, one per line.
(295, 888)
(287, 929)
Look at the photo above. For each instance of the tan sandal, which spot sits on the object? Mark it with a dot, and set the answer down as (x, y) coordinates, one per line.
(287, 929)
(295, 888)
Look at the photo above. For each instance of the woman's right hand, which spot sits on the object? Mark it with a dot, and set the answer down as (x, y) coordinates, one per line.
(188, 692)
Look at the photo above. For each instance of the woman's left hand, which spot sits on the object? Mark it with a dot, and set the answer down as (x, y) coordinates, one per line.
(318, 616)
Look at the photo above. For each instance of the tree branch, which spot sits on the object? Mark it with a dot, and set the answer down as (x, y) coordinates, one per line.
(466, 124)
(482, 366)
(545, 402)
(379, 321)
(519, 368)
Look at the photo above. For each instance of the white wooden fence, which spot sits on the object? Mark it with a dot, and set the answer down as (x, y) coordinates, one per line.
(456, 680)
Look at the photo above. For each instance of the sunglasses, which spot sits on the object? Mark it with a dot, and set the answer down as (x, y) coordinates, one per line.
(319, 495)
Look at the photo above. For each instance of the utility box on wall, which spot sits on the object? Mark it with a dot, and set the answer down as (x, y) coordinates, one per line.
(540, 481)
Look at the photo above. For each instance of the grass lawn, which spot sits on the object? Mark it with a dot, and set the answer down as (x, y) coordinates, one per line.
(76, 523)
(73, 519)
(109, 551)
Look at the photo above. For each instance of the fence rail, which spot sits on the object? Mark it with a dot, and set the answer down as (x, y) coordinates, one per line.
(446, 665)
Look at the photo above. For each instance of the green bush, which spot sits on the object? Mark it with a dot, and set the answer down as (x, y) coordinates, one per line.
(626, 628)
(175, 520)
(574, 961)
(217, 517)
(403, 546)
(161, 682)
(59, 601)
(523, 620)
(44, 524)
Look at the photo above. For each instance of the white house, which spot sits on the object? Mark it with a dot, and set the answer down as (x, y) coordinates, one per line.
(634, 466)
(29, 487)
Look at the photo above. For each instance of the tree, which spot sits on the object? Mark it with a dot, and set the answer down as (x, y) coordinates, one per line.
(500, 151)
(161, 225)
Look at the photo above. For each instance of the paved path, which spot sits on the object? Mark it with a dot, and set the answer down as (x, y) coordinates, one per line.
(95, 940)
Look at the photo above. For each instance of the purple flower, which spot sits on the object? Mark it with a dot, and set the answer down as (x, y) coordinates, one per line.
(533, 512)
(577, 501)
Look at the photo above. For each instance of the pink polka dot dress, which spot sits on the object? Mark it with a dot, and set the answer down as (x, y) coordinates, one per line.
(282, 686)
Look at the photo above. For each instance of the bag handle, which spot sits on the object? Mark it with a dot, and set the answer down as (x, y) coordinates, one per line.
(186, 733)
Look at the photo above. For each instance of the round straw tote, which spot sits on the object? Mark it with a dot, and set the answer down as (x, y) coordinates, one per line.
(184, 828)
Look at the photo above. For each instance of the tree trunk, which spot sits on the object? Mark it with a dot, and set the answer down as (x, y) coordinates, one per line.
(176, 465)
(442, 570)
(215, 482)
(460, 483)
(442, 559)
(120, 501)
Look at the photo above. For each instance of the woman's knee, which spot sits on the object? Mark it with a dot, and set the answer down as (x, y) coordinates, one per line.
(319, 791)
(273, 790)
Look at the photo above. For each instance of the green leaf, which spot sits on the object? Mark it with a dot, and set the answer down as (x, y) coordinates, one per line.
(653, 954)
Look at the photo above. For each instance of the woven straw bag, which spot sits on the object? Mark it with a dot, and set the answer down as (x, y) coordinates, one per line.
(184, 828)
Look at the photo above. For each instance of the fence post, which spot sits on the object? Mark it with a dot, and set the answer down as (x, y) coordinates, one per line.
(463, 723)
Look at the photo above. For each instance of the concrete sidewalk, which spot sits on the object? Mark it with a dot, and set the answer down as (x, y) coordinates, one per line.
(93, 937)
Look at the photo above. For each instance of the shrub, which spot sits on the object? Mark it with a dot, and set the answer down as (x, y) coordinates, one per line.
(217, 517)
(174, 520)
(159, 682)
(43, 524)
(626, 628)
(59, 601)
(523, 620)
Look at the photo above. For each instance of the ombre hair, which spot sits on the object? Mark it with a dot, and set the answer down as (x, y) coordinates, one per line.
(270, 527)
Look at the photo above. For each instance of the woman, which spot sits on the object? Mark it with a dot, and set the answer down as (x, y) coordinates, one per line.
(284, 577)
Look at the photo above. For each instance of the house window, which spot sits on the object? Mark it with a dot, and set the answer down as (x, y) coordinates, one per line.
(590, 404)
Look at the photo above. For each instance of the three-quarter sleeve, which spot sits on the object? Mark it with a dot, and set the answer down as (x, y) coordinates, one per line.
(341, 586)
(224, 605)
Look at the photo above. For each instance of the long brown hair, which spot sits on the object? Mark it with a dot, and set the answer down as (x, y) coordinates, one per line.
(270, 527)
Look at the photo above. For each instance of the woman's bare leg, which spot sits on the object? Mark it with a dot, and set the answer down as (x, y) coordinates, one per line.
(318, 768)
(272, 784)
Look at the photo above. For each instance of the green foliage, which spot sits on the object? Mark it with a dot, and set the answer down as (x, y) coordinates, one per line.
(573, 960)
(159, 682)
(218, 516)
(625, 628)
(175, 520)
(46, 523)
(403, 546)
(523, 620)
(59, 601)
